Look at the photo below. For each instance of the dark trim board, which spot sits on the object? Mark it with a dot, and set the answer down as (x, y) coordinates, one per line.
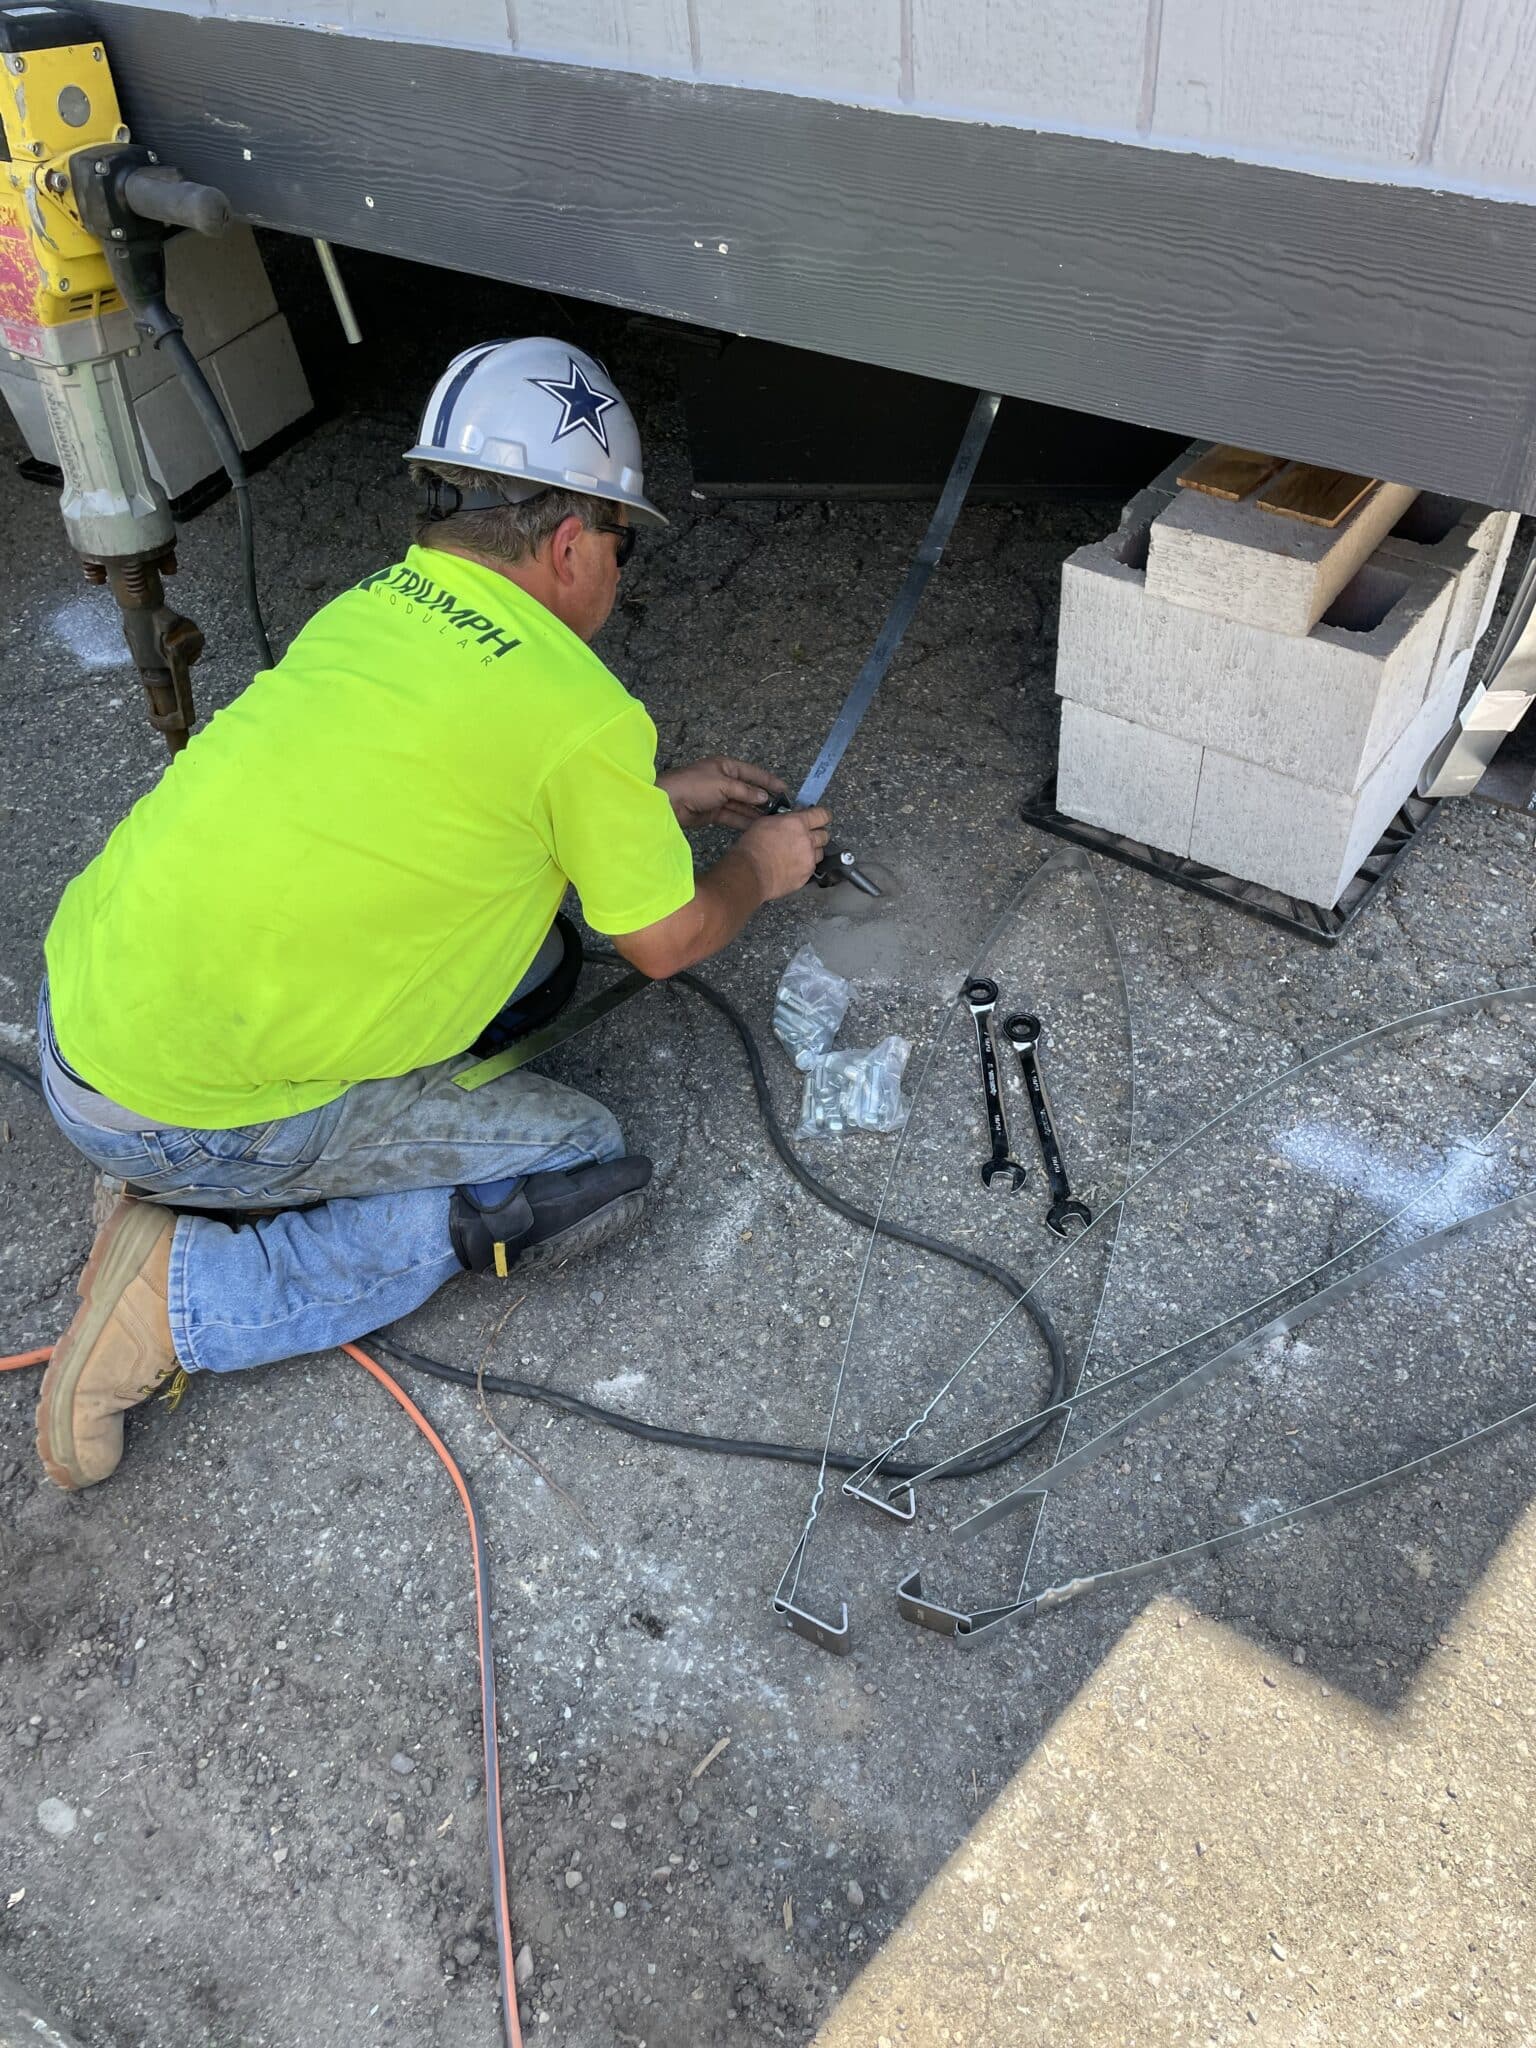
(1379, 328)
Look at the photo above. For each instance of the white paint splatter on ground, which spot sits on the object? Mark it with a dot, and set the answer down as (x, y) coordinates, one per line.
(92, 631)
(621, 1383)
(1346, 1162)
(722, 1237)
(1261, 1510)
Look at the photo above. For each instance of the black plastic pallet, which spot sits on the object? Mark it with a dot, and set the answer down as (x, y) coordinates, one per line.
(1290, 913)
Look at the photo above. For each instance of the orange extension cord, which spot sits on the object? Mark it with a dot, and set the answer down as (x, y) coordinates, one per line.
(495, 1842)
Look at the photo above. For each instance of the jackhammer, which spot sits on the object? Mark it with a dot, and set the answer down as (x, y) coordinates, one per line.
(85, 214)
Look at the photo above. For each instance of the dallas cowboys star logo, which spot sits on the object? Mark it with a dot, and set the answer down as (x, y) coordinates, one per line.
(584, 405)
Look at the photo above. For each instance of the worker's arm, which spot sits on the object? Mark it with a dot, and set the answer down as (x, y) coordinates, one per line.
(774, 857)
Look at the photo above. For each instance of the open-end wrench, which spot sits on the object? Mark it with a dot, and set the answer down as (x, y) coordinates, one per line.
(982, 998)
(1024, 1034)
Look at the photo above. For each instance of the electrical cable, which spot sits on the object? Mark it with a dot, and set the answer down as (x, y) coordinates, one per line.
(999, 1453)
(203, 397)
(21, 1074)
(568, 1403)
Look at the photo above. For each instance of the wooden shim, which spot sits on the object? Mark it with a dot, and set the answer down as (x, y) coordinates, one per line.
(1321, 497)
(1230, 473)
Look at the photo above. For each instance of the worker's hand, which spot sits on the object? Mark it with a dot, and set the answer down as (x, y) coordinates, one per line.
(785, 850)
(719, 791)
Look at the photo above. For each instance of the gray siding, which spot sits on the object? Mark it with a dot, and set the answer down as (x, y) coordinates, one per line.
(1440, 91)
(1367, 323)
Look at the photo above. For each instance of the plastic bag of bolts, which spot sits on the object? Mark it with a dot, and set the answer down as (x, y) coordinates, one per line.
(809, 1007)
(855, 1091)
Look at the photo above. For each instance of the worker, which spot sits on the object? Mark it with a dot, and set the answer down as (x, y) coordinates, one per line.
(346, 889)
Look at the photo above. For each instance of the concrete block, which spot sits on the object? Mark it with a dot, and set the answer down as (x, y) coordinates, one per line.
(175, 440)
(1323, 707)
(1469, 542)
(1127, 778)
(1292, 836)
(19, 389)
(1260, 567)
(260, 382)
(1163, 488)
(218, 285)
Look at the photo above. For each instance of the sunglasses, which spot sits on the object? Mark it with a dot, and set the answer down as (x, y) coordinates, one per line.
(628, 535)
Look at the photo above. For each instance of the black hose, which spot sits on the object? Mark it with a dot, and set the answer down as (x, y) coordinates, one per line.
(746, 1447)
(851, 1212)
(203, 397)
(18, 1072)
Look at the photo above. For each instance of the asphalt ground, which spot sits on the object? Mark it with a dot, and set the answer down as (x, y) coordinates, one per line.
(1278, 1796)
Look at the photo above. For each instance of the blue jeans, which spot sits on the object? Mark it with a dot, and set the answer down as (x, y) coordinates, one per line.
(378, 1165)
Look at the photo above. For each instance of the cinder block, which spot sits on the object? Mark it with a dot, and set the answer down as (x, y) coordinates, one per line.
(19, 389)
(1469, 542)
(260, 382)
(1127, 778)
(175, 439)
(1304, 841)
(1164, 487)
(218, 285)
(1259, 567)
(261, 386)
(1323, 707)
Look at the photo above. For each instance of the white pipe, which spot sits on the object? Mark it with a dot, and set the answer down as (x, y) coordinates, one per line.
(339, 296)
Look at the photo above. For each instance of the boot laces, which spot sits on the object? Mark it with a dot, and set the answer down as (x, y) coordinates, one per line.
(172, 1388)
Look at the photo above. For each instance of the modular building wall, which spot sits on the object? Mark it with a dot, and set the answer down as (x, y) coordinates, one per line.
(1307, 225)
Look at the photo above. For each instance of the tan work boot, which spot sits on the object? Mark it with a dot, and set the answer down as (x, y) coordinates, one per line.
(115, 1353)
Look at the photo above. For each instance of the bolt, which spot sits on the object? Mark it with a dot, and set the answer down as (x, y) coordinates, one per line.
(99, 167)
(120, 135)
(18, 63)
(37, 148)
(153, 155)
(56, 182)
(119, 234)
(63, 284)
(97, 53)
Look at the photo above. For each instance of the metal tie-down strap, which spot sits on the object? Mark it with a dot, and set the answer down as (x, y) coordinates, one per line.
(901, 1499)
(837, 1636)
(916, 1606)
(926, 560)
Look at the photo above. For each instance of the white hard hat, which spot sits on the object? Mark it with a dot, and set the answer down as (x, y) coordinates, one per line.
(542, 412)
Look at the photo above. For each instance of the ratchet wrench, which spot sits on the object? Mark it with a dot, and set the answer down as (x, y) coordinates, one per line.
(981, 995)
(1024, 1033)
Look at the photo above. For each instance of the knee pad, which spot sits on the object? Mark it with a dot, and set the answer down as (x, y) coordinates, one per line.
(541, 1217)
